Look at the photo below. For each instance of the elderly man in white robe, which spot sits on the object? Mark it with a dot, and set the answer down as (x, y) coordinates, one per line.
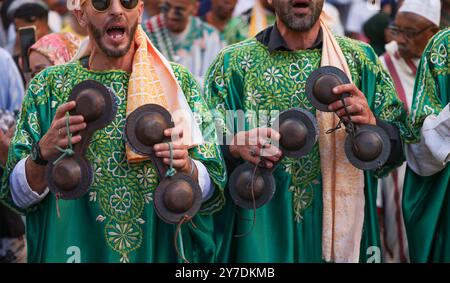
(416, 22)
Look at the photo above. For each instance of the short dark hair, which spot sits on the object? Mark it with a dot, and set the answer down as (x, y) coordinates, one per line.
(31, 13)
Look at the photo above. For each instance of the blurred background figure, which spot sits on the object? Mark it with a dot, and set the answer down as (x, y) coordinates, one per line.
(220, 13)
(333, 18)
(250, 23)
(359, 12)
(12, 229)
(57, 10)
(376, 28)
(343, 6)
(3, 25)
(52, 49)
(416, 22)
(72, 26)
(183, 38)
(28, 13)
(445, 14)
(151, 8)
(242, 6)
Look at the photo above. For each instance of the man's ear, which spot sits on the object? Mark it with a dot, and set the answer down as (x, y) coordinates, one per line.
(81, 18)
(141, 11)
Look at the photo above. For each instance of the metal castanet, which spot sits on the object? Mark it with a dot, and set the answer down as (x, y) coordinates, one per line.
(367, 147)
(177, 197)
(71, 176)
(252, 186)
(320, 84)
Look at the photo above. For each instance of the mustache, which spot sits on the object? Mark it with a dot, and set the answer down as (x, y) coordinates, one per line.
(116, 19)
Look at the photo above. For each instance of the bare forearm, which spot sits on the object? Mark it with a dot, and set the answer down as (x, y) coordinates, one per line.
(35, 176)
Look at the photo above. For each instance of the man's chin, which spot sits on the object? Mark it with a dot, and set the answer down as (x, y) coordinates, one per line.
(116, 52)
(405, 54)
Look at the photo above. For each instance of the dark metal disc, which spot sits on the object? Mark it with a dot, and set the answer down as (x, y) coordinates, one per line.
(369, 149)
(176, 197)
(70, 178)
(95, 102)
(145, 127)
(240, 186)
(319, 86)
(298, 130)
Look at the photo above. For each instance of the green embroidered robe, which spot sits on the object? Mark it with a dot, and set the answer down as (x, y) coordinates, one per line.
(426, 200)
(248, 76)
(115, 221)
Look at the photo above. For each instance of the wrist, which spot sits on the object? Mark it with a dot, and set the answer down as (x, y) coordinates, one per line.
(233, 148)
(189, 168)
(37, 155)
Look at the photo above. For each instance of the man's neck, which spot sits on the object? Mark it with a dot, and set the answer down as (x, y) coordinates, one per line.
(99, 61)
(216, 21)
(298, 40)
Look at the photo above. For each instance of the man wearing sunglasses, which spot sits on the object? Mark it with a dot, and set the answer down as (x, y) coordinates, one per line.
(115, 221)
(184, 38)
(416, 22)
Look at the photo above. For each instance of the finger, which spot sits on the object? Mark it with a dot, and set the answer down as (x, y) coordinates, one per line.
(72, 129)
(268, 133)
(272, 152)
(161, 147)
(352, 109)
(268, 164)
(73, 120)
(180, 163)
(61, 111)
(360, 119)
(346, 88)
(339, 104)
(176, 132)
(63, 143)
(176, 154)
(254, 160)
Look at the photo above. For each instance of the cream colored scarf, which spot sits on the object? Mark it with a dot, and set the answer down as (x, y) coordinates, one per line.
(152, 81)
(343, 184)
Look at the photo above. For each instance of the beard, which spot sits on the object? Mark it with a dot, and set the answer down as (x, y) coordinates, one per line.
(114, 52)
(298, 23)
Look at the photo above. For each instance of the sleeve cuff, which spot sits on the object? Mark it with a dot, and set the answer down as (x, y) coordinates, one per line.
(204, 181)
(436, 134)
(396, 156)
(22, 194)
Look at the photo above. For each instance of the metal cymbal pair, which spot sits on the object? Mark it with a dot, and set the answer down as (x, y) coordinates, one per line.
(252, 186)
(367, 146)
(70, 177)
(177, 196)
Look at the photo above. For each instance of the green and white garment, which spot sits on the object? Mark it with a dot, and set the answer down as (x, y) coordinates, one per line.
(115, 221)
(426, 200)
(237, 29)
(247, 76)
(195, 48)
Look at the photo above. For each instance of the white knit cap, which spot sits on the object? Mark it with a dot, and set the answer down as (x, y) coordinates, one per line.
(429, 9)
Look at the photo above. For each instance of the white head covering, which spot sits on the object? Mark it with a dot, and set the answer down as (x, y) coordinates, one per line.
(429, 9)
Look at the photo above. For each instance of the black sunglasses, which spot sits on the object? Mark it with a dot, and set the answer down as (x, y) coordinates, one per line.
(103, 5)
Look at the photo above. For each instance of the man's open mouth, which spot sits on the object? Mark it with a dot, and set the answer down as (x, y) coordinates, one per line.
(301, 4)
(116, 31)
